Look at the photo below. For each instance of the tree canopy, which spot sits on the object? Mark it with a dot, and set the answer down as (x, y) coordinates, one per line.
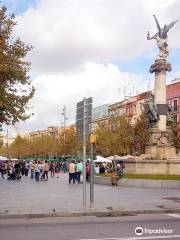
(15, 85)
(140, 134)
(176, 134)
(114, 136)
(44, 145)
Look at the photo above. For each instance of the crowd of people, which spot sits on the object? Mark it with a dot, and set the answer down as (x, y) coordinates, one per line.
(110, 168)
(37, 170)
(40, 170)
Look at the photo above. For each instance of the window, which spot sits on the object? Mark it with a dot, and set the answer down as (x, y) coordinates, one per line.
(175, 105)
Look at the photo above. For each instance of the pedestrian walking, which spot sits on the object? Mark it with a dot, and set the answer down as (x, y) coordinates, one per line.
(26, 168)
(51, 169)
(1, 169)
(17, 169)
(57, 169)
(46, 169)
(37, 170)
(88, 170)
(32, 168)
(72, 171)
(22, 168)
(64, 167)
(79, 169)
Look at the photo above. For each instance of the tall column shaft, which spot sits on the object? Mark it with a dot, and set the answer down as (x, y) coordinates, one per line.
(159, 68)
(160, 97)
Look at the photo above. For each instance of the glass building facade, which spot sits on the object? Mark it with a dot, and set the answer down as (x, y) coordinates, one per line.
(100, 112)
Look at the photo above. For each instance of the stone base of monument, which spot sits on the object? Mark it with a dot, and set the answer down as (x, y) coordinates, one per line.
(160, 156)
(138, 165)
(160, 152)
(160, 144)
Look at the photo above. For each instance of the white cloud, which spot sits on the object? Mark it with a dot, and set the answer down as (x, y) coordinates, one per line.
(100, 81)
(74, 39)
(67, 33)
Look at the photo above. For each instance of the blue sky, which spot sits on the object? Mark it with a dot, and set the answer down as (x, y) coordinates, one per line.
(85, 48)
(19, 6)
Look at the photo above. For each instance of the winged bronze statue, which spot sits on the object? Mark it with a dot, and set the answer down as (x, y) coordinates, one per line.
(162, 37)
(163, 31)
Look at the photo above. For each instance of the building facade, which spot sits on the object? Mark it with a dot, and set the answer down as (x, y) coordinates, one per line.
(132, 107)
(99, 114)
(173, 98)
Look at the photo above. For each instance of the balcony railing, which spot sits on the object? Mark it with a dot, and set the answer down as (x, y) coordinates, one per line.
(175, 108)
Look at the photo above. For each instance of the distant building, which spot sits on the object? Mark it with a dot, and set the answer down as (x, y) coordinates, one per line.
(173, 98)
(52, 131)
(99, 114)
(131, 107)
(116, 108)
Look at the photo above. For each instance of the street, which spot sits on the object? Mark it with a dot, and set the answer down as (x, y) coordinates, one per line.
(91, 228)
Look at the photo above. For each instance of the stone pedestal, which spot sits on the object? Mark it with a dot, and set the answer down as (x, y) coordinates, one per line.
(162, 153)
(160, 144)
(155, 166)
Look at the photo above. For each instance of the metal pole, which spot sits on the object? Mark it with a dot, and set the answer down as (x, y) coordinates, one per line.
(84, 153)
(7, 143)
(64, 123)
(92, 180)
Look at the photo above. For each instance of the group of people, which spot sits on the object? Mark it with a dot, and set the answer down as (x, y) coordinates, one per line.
(37, 169)
(11, 169)
(110, 168)
(75, 171)
(40, 169)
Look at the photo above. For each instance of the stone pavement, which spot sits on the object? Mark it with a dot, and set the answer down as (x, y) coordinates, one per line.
(27, 196)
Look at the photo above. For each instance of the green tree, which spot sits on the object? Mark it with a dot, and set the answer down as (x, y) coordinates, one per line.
(42, 146)
(15, 89)
(1, 141)
(19, 148)
(140, 134)
(114, 136)
(69, 145)
(176, 135)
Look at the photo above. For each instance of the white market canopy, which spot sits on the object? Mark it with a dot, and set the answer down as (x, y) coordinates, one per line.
(102, 159)
(116, 157)
(3, 158)
(14, 159)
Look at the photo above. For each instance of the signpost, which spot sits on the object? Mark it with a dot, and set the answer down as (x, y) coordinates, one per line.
(83, 129)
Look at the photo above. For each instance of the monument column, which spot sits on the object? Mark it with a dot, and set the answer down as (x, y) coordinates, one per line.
(160, 145)
(159, 68)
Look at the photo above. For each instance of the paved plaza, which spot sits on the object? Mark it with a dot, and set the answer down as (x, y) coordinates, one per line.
(27, 196)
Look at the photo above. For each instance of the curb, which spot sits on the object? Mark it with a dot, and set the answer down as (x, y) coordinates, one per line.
(93, 213)
(140, 183)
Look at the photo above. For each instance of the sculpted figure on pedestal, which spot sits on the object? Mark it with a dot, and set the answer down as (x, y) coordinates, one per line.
(151, 110)
(162, 38)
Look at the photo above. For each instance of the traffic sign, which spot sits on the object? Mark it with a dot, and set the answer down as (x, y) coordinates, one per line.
(84, 118)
